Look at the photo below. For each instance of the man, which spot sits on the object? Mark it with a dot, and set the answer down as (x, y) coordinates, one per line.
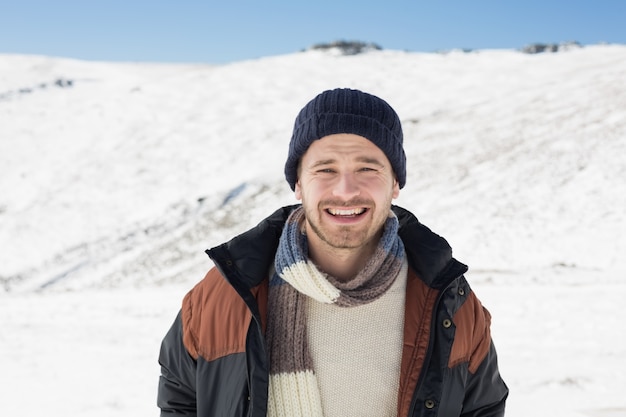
(344, 305)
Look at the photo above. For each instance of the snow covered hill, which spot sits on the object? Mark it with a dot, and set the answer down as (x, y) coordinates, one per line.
(123, 173)
(114, 178)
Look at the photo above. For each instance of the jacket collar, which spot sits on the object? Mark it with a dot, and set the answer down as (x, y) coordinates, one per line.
(429, 254)
(246, 259)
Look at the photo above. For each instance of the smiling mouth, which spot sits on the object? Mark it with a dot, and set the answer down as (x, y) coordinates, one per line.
(346, 212)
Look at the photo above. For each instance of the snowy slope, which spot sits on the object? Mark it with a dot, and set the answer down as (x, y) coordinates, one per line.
(506, 150)
(115, 177)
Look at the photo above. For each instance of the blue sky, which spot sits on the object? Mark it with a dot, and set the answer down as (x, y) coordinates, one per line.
(226, 31)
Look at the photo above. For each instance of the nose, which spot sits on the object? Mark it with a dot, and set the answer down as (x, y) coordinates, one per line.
(346, 187)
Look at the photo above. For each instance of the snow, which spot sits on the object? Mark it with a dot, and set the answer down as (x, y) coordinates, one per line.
(115, 177)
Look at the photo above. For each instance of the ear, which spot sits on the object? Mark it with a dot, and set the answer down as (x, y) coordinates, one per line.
(396, 189)
(298, 191)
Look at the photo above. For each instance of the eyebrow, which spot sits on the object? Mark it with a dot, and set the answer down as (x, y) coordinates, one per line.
(369, 160)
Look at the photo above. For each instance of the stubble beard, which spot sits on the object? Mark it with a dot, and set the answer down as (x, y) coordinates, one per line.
(345, 237)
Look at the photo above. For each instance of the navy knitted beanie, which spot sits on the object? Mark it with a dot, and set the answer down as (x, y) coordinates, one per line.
(347, 111)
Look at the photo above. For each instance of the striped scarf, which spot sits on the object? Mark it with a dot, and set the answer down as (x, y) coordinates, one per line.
(293, 389)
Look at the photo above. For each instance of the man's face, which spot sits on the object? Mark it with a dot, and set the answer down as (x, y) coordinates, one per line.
(346, 185)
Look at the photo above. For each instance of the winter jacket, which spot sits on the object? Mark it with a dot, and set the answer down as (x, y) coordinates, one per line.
(214, 360)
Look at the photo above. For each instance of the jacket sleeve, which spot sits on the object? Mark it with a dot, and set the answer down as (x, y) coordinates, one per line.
(177, 386)
(486, 392)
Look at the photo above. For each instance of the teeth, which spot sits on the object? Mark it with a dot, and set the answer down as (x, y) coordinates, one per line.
(350, 212)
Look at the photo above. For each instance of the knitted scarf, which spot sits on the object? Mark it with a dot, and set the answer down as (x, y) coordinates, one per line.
(293, 389)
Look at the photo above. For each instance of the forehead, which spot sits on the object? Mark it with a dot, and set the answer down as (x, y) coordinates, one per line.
(343, 146)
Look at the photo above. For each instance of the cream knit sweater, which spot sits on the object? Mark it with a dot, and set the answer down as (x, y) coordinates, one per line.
(356, 353)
